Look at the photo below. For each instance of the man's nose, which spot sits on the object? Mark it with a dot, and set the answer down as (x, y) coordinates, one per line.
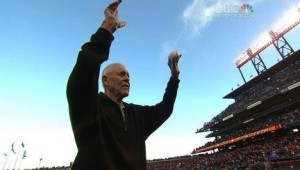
(126, 78)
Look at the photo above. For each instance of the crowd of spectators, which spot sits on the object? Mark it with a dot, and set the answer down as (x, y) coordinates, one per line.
(261, 91)
(264, 122)
(282, 165)
(52, 168)
(273, 149)
(272, 152)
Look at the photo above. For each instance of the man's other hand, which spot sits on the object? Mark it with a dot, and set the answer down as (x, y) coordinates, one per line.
(173, 63)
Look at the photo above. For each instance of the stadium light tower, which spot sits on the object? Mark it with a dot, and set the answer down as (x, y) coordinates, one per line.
(275, 36)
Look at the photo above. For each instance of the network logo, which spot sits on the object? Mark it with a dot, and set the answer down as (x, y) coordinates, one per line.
(246, 8)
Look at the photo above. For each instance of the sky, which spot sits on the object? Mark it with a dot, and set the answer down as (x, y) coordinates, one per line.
(40, 40)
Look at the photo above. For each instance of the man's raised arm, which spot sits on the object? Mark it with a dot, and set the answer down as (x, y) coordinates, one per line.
(82, 87)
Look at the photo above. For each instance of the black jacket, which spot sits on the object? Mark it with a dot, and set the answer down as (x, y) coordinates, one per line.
(103, 139)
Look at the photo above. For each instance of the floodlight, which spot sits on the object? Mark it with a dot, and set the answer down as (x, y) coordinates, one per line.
(289, 20)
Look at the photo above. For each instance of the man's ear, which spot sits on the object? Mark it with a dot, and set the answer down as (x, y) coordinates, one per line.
(104, 81)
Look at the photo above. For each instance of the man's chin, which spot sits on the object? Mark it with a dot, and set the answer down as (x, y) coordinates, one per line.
(125, 94)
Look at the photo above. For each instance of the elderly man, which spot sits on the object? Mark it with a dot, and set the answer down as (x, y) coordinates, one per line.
(110, 134)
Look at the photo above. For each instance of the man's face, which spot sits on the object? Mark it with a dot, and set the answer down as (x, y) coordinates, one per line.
(117, 81)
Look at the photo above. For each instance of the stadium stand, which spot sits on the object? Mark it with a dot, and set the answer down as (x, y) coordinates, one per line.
(258, 131)
(52, 168)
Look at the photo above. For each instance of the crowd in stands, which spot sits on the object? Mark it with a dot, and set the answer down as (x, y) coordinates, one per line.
(270, 150)
(52, 168)
(276, 151)
(282, 165)
(264, 122)
(261, 91)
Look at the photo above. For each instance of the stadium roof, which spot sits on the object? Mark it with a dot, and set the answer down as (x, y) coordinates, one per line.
(264, 75)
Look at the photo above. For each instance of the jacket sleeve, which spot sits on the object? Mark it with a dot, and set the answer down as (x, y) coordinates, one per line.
(154, 116)
(82, 87)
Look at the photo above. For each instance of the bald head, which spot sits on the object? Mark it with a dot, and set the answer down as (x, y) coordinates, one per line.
(109, 69)
(115, 80)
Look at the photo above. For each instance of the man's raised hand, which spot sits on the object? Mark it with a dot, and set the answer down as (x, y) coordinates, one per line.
(112, 22)
(173, 60)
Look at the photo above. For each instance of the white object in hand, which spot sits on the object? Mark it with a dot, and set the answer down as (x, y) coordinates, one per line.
(174, 55)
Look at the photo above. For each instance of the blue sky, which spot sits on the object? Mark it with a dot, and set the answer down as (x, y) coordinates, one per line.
(40, 40)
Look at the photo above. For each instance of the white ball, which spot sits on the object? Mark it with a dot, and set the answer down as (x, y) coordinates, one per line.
(174, 55)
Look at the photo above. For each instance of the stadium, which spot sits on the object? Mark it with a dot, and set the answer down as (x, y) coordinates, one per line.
(260, 129)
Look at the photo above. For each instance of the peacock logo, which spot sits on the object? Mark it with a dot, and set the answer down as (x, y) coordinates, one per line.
(246, 8)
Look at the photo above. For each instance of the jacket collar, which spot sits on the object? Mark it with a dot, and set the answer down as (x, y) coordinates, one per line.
(104, 98)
